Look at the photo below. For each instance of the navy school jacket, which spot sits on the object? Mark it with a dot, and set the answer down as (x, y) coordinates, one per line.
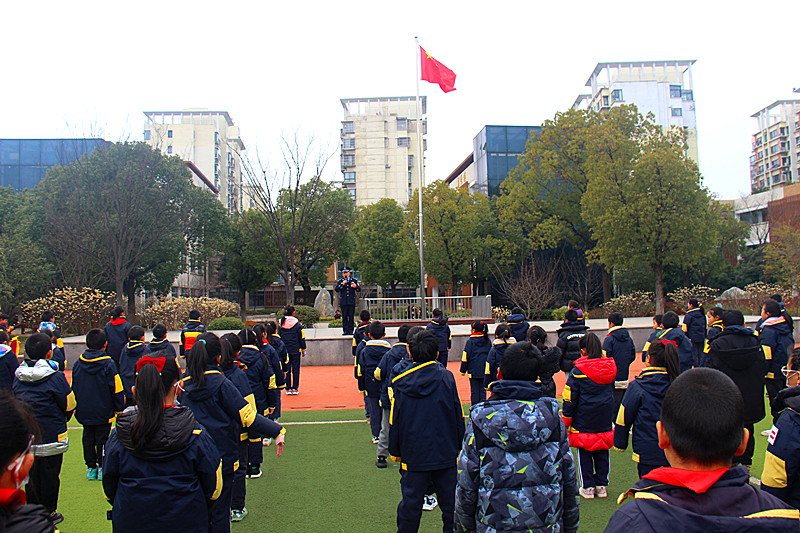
(8, 365)
(781, 476)
(59, 357)
(161, 345)
(588, 403)
(189, 334)
(239, 379)
(519, 328)
(684, 345)
(361, 344)
(721, 501)
(778, 341)
(18, 517)
(368, 361)
(277, 381)
(280, 348)
(45, 389)
(493, 360)
(473, 360)
(171, 484)
(116, 331)
(619, 346)
(259, 374)
(293, 336)
(131, 353)
(653, 336)
(441, 331)
(98, 389)
(640, 410)
(713, 331)
(389, 362)
(694, 325)
(426, 423)
(359, 334)
(220, 408)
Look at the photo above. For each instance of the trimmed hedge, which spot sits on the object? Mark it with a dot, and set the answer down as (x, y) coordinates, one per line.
(335, 323)
(226, 322)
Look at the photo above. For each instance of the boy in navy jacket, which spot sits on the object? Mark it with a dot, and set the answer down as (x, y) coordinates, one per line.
(701, 430)
(473, 362)
(370, 381)
(98, 391)
(386, 372)
(160, 342)
(39, 384)
(714, 317)
(193, 329)
(694, 325)
(777, 337)
(441, 331)
(116, 330)
(519, 327)
(361, 329)
(658, 327)
(426, 427)
(619, 346)
(8, 362)
(130, 355)
(672, 332)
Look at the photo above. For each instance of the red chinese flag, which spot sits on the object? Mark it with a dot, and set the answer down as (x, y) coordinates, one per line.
(435, 72)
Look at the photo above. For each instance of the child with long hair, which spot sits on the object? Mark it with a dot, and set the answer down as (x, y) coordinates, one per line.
(550, 361)
(259, 373)
(473, 362)
(292, 335)
(588, 412)
(502, 340)
(277, 382)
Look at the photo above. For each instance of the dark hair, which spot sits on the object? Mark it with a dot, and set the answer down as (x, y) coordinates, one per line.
(159, 331)
(659, 320)
(287, 311)
(703, 415)
(516, 311)
(402, 333)
(261, 331)
(670, 320)
(135, 333)
(414, 331)
(37, 346)
(248, 337)
(591, 344)
(47, 316)
(794, 359)
(377, 330)
(204, 353)
(437, 312)
(772, 308)
(480, 326)
(17, 425)
(664, 354)
(502, 331)
(777, 297)
(571, 315)
(521, 361)
(538, 337)
(194, 314)
(364, 315)
(227, 355)
(717, 312)
(235, 343)
(96, 339)
(151, 388)
(4, 336)
(117, 312)
(48, 332)
(573, 304)
(732, 317)
(424, 347)
(615, 318)
(694, 303)
(4, 316)
(271, 327)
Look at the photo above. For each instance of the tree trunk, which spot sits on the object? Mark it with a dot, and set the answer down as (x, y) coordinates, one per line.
(243, 304)
(289, 288)
(608, 290)
(130, 290)
(119, 287)
(658, 273)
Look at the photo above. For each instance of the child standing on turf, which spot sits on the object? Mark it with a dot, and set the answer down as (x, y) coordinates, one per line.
(259, 374)
(519, 327)
(361, 329)
(441, 330)
(292, 335)
(8, 362)
(160, 342)
(502, 340)
(694, 325)
(116, 330)
(426, 427)
(588, 411)
(369, 377)
(385, 373)
(619, 346)
(276, 381)
(276, 342)
(190, 332)
(130, 355)
(99, 393)
(641, 407)
(672, 332)
(39, 384)
(473, 362)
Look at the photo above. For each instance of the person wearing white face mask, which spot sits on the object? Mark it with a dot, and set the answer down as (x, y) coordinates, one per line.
(18, 427)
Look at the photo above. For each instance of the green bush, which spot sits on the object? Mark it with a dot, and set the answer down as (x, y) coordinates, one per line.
(76, 310)
(558, 314)
(308, 316)
(335, 323)
(226, 322)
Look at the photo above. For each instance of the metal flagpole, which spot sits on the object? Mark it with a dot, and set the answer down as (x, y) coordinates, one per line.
(420, 162)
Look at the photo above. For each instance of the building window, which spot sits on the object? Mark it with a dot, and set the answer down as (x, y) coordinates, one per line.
(348, 160)
(411, 161)
(773, 134)
(677, 112)
(605, 100)
(349, 177)
(347, 127)
(169, 134)
(169, 149)
(616, 95)
(349, 143)
(403, 141)
(773, 149)
(402, 124)
(352, 193)
(146, 135)
(688, 95)
(675, 91)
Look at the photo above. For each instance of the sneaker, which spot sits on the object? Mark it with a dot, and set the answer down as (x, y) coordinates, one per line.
(766, 433)
(587, 493)
(381, 462)
(91, 474)
(100, 474)
(429, 503)
(56, 518)
(254, 472)
(601, 492)
(237, 515)
(374, 440)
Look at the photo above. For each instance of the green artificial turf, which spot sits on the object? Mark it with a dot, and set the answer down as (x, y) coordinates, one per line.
(326, 481)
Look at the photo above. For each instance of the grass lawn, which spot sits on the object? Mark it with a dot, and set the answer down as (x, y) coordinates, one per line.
(326, 481)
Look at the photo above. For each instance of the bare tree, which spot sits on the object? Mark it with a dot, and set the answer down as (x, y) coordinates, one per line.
(581, 280)
(533, 287)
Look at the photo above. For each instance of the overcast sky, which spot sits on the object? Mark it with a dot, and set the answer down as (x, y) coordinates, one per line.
(71, 67)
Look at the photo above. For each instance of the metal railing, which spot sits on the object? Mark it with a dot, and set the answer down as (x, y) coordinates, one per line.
(409, 308)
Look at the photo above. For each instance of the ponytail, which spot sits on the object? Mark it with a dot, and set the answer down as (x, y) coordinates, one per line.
(538, 337)
(502, 331)
(479, 326)
(287, 311)
(271, 328)
(204, 354)
(664, 354)
(591, 344)
(260, 332)
(151, 389)
(248, 336)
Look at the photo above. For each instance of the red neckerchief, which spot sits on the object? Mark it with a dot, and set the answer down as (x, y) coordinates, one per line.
(696, 481)
(118, 321)
(12, 497)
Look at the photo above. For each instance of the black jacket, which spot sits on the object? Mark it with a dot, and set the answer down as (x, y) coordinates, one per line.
(116, 331)
(473, 361)
(189, 334)
(259, 374)
(162, 345)
(713, 331)
(694, 324)
(781, 475)
(569, 335)
(619, 345)
(441, 331)
(737, 353)
(493, 361)
(293, 336)
(778, 340)
(98, 389)
(22, 518)
(684, 345)
(359, 334)
(45, 389)
(640, 410)
(8, 365)
(131, 353)
(519, 328)
(347, 294)
(399, 352)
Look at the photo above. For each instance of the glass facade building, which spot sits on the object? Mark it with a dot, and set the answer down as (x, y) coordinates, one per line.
(24, 162)
(496, 149)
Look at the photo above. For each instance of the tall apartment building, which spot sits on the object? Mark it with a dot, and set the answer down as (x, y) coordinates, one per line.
(379, 150)
(775, 160)
(663, 88)
(210, 140)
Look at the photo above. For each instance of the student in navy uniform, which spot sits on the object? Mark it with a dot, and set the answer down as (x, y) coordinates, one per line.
(714, 317)
(658, 327)
(348, 289)
(293, 336)
(550, 360)
(737, 353)
(569, 336)
(701, 430)
(426, 427)
(13, 340)
(519, 327)
(19, 430)
(473, 362)
(641, 407)
(116, 330)
(98, 391)
(259, 373)
(8, 362)
(370, 377)
(362, 328)
(190, 332)
(39, 384)
(220, 408)
(59, 357)
(385, 371)
(277, 382)
(130, 355)
(48, 324)
(162, 470)
(619, 346)
(672, 332)
(361, 344)
(502, 340)
(574, 305)
(438, 326)
(277, 343)
(777, 337)
(160, 342)
(694, 325)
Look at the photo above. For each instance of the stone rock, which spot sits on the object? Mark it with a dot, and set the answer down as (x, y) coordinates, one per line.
(734, 293)
(324, 303)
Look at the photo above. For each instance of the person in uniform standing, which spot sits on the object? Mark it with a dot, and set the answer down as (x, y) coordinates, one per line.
(347, 288)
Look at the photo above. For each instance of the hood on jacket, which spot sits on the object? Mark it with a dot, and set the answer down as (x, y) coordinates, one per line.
(601, 370)
(740, 356)
(118, 321)
(441, 321)
(420, 380)
(205, 392)
(172, 437)
(516, 417)
(249, 355)
(620, 333)
(516, 318)
(41, 369)
(94, 361)
(289, 322)
(779, 323)
(654, 380)
(789, 397)
(578, 325)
